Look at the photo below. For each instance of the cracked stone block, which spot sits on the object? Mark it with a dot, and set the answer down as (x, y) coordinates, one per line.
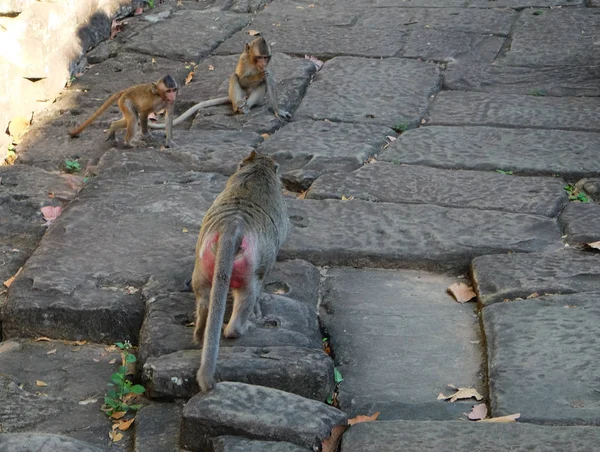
(258, 413)
(540, 346)
(385, 182)
(454, 108)
(511, 276)
(306, 372)
(236, 444)
(157, 428)
(520, 4)
(361, 233)
(524, 151)
(581, 222)
(387, 92)
(44, 442)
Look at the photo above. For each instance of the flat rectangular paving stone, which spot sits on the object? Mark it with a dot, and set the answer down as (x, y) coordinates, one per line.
(577, 31)
(387, 92)
(414, 436)
(387, 182)
(157, 428)
(511, 276)
(259, 413)
(361, 233)
(399, 339)
(521, 4)
(572, 155)
(451, 108)
(581, 222)
(542, 358)
(561, 81)
(237, 444)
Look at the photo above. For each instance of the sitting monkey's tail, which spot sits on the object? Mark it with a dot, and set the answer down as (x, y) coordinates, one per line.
(230, 239)
(190, 111)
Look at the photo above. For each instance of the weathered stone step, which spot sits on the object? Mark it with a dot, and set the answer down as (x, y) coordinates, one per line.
(413, 436)
(256, 412)
(510, 276)
(361, 233)
(525, 151)
(581, 222)
(545, 347)
(455, 108)
(157, 428)
(306, 372)
(44, 442)
(385, 182)
(399, 339)
(236, 444)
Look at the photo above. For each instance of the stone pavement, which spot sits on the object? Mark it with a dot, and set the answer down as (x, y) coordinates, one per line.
(432, 147)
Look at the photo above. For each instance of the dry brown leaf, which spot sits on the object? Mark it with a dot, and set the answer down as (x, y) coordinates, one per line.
(43, 338)
(301, 195)
(40, 383)
(478, 412)
(112, 361)
(461, 292)
(189, 78)
(51, 352)
(211, 67)
(51, 213)
(595, 245)
(10, 280)
(503, 419)
(117, 415)
(124, 425)
(363, 418)
(179, 2)
(331, 444)
(115, 436)
(265, 135)
(461, 393)
(533, 295)
(253, 32)
(185, 230)
(111, 348)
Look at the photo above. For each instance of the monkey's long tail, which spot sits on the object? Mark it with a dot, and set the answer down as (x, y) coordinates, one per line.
(190, 111)
(111, 100)
(229, 243)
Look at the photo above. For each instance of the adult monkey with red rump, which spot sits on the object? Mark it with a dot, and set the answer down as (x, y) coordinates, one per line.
(247, 85)
(239, 239)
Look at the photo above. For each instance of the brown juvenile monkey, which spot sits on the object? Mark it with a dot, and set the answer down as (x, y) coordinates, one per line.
(247, 85)
(239, 240)
(136, 103)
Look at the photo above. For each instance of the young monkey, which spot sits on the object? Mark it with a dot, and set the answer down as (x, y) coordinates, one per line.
(247, 85)
(136, 103)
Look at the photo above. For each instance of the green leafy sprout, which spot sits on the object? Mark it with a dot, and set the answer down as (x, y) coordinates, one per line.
(72, 166)
(576, 195)
(505, 172)
(116, 399)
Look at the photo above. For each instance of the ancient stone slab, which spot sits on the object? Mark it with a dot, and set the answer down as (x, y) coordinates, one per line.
(237, 444)
(414, 436)
(361, 233)
(511, 276)
(512, 110)
(302, 371)
(417, 330)
(44, 442)
(259, 413)
(540, 345)
(375, 82)
(521, 4)
(296, 279)
(420, 3)
(284, 322)
(196, 34)
(523, 151)
(581, 222)
(579, 32)
(385, 182)
(63, 292)
(157, 428)
(591, 187)
(548, 80)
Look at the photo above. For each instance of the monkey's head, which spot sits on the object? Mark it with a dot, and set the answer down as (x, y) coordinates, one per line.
(259, 159)
(167, 88)
(259, 52)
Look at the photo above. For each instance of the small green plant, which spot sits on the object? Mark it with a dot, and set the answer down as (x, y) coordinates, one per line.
(400, 127)
(151, 3)
(575, 194)
(537, 92)
(337, 377)
(538, 12)
(72, 166)
(505, 172)
(122, 390)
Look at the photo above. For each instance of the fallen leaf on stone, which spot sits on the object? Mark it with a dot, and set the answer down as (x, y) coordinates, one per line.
(253, 32)
(211, 67)
(478, 412)
(96, 360)
(10, 280)
(265, 135)
(533, 295)
(189, 78)
(43, 338)
(51, 213)
(115, 436)
(112, 361)
(301, 195)
(312, 5)
(40, 383)
(117, 415)
(318, 63)
(153, 60)
(595, 245)
(51, 352)
(461, 393)
(347, 198)
(179, 2)
(331, 444)
(124, 425)
(503, 419)
(87, 401)
(185, 230)
(461, 292)
(362, 418)
(131, 290)
(115, 28)
(111, 348)
(391, 138)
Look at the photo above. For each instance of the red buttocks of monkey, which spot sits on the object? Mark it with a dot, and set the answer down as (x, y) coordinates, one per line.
(240, 264)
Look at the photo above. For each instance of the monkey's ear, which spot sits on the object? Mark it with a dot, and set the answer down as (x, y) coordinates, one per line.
(252, 156)
(247, 48)
(154, 88)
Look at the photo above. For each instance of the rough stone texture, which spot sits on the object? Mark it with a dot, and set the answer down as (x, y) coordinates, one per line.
(41, 442)
(578, 29)
(386, 92)
(198, 32)
(284, 322)
(520, 4)
(512, 110)
(591, 186)
(360, 233)
(423, 331)
(306, 372)
(385, 182)
(157, 428)
(550, 81)
(478, 437)
(296, 279)
(235, 444)
(542, 346)
(511, 276)
(255, 412)
(571, 155)
(581, 222)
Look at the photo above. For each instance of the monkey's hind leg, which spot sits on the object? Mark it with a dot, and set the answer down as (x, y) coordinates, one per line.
(244, 301)
(237, 95)
(202, 301)
(114, 126)
(256, 96)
